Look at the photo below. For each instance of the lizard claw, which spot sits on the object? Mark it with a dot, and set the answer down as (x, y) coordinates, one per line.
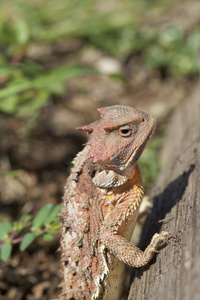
(160, 239)
(165, 235)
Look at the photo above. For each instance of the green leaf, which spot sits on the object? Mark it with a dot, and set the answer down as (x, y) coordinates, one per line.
(53, 214)
(21, 31)
(5, 228)
(42, 215)
(30, 106)
(9, 104)
(25, 218)
(45, 80)
(7, 225)
(48, 237)
(6, 250)
(23, 222)
(57, 89)
(28, 239)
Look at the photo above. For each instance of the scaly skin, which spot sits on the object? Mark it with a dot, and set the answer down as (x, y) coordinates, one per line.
(100, 207)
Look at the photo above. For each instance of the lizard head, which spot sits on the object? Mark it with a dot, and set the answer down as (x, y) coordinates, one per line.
(119, 137)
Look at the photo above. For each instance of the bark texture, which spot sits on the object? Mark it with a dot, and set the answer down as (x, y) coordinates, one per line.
(175, 273)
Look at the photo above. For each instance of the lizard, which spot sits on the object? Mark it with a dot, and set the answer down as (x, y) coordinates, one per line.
(100, 206)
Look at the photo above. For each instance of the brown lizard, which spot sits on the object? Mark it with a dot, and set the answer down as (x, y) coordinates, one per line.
(100, 208)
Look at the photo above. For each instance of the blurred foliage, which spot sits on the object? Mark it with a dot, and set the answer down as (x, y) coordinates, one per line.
(114, 27)
(28, 87)
(149, 164)
(27, 229)
(174, 51)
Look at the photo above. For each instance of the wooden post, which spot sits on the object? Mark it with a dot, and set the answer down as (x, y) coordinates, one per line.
(175, 272)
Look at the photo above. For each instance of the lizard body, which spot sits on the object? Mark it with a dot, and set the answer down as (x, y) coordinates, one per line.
(100, 207)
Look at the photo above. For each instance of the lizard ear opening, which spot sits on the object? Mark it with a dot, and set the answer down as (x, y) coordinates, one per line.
(85, 128)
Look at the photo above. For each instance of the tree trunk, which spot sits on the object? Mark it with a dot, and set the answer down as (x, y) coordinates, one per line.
(175, 272)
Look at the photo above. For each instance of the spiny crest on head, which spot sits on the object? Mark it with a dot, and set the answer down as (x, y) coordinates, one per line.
(89, 128)
(112, 117)
(85, 128)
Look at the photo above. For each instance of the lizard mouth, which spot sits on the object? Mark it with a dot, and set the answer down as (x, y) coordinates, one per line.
(135, 155)
(132, 157)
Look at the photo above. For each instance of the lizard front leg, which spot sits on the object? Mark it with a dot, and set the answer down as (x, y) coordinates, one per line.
(122, 217)
(129, 253)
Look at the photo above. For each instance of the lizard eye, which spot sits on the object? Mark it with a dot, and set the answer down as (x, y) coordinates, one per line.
(125, 130)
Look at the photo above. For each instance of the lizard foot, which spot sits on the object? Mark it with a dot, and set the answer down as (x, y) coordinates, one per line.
(159, 239)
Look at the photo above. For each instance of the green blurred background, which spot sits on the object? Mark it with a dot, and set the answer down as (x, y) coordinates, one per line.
(31, 31)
